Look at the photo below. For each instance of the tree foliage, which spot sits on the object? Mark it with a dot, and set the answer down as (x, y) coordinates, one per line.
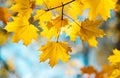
(55, 17)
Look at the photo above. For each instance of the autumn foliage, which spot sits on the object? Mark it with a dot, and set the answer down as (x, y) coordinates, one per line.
(29, 19)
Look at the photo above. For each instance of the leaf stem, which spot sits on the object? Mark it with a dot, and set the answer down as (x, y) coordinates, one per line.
(62, 13)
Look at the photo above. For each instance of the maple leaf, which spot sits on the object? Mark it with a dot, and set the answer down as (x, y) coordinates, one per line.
(115, 74)
(87, 31)
(73, 7)
(23, 7)
(88, 70)
(4, 14)
(51, 3)
(72, 30)
(49, 32)
(22, 29)
(59, 22)
(115, 62)
(39, 2)
(43, 16)
(55, 51)
(54, 27)
(93, 42)
(105, 72)
(114, 59)
(90, 29)
(99, 8)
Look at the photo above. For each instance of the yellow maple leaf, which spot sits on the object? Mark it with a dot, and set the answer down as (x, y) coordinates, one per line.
(73, 7)
(53, 27)
(72, 30)
(114, 59)
(43, 16)
(99, 8)
(49, 32)
(90, 29)
(115, 74)
(4, 14)
(59, 22)
(22, 29)
(115, 62)
(87, 31)
(51, 3)
(39, 2)
(93, 42)
(55, 51)
(23, 7)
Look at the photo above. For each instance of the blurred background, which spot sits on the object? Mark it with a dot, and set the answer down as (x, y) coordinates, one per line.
(19, 61)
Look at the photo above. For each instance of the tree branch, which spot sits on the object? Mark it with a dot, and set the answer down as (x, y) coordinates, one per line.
(60, 5)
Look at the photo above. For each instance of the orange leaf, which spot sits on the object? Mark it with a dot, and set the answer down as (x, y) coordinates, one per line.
(4, 14)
